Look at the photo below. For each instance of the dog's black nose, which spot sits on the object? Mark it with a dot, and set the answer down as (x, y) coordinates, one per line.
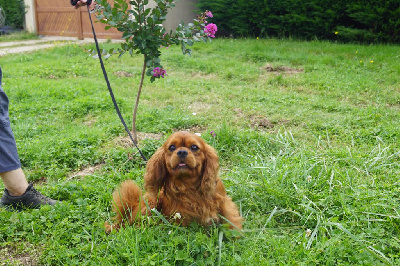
(182, 153)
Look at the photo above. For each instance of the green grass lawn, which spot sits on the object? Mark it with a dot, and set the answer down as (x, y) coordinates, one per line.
(308, 135)
(18, 36)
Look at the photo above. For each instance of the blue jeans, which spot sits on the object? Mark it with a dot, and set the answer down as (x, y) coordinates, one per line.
(9, 159)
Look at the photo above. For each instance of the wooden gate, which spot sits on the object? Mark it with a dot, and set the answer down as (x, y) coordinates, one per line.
(59, 18)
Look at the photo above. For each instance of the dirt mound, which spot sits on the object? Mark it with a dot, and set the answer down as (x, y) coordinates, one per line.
(281, 70)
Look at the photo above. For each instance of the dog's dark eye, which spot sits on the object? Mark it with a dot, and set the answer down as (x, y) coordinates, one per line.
(194, 147)
(172, 148)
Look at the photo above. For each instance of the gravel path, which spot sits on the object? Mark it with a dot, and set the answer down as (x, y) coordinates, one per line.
(42, 43)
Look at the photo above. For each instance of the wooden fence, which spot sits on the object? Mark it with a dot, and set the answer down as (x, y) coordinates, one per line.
(59, 18)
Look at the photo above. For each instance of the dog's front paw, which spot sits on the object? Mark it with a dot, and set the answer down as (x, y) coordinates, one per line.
(151, 204)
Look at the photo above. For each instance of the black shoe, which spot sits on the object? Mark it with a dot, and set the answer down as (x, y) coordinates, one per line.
(31, 199)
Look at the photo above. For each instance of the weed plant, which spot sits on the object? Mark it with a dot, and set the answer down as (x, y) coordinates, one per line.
(307, 133)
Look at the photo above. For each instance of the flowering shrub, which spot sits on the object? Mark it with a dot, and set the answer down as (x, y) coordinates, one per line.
(158, 72)
(144, 34)
(210, 30)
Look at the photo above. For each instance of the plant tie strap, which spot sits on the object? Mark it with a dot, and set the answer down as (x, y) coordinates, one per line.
(109, 88)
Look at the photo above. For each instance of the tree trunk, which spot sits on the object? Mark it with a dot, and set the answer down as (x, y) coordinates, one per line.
(134, 133)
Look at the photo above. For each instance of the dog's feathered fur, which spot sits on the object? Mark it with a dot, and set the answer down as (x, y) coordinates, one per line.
(181, 177)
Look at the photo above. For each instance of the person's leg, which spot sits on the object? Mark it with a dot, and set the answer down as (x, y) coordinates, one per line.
(18, 194)
(15, 182)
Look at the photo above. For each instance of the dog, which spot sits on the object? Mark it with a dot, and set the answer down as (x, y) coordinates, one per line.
(182, 183)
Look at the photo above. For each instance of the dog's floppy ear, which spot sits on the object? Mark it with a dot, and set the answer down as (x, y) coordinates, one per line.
(156, 172)
(210, 171)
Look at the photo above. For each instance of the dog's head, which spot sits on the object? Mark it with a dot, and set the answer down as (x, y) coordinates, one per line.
(185, 156)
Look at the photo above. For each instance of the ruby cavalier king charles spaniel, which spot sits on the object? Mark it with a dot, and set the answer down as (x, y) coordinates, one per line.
(182, 183)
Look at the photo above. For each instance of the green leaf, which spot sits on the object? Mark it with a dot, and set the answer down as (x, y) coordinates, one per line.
(122, 53)
(156, 12)
(126, 34)
(150, 21)
(147, 12)
(190, 42)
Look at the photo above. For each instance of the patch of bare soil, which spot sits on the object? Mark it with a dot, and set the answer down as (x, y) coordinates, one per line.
(12, 255)
(90, 121)
(239, 112)
(85, 172)
(123, 74)
(198, 107)
(260, 122)
(40, 181)
(203, 76)
(281, 70)
(263, 123)
(393, 105)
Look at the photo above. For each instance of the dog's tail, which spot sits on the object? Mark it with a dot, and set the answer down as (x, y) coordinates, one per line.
(126, 205)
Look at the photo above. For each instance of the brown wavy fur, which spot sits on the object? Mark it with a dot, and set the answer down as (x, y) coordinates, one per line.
(183, 179)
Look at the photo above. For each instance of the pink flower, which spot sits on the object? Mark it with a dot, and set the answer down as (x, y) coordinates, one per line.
(159, 72)
(211, 29)
(209, 14)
